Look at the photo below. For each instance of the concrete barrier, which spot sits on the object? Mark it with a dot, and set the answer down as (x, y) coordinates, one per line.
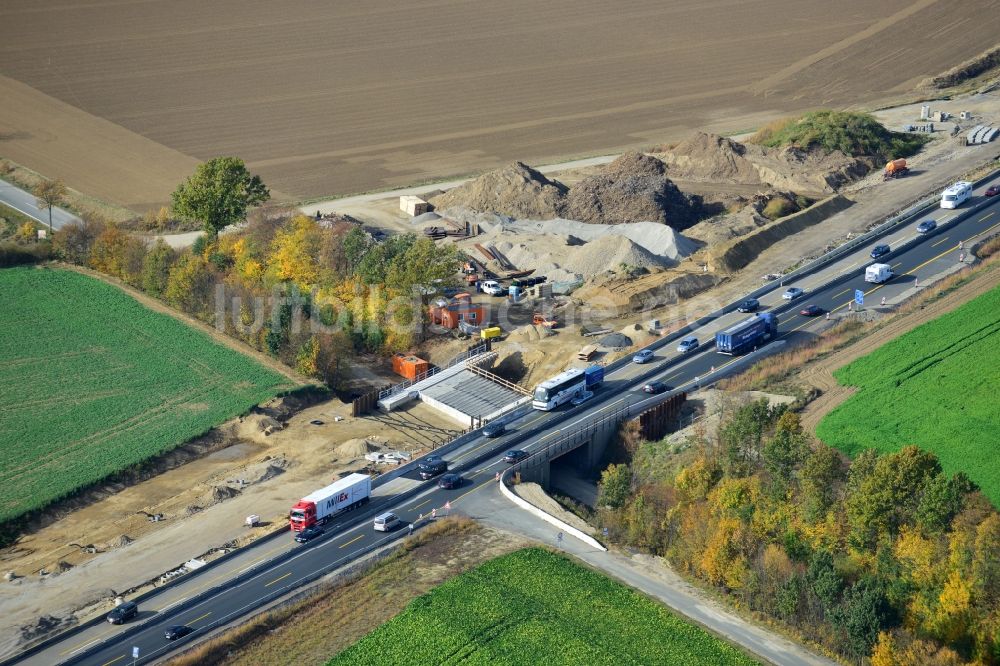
(552, 520)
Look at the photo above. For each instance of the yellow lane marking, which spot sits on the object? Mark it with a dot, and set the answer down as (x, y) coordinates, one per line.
(843, 292)
(83, 645)
(357, 538)
(895, 266)
(421, 504)
(108, 663)
(469, 492)
(199, 618)
(277, 579)
(986, 217)
(939, 242)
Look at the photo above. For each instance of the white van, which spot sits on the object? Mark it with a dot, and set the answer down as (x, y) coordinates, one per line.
(387, 522)
(956, 195)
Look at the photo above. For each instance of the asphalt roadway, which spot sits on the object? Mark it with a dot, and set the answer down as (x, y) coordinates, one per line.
(27, 204)
(291, 565)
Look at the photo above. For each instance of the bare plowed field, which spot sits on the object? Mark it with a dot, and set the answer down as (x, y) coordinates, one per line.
(334, 97)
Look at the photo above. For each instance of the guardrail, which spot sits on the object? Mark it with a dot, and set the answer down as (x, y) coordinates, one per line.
(899, 219)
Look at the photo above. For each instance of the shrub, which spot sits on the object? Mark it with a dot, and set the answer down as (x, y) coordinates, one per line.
(855, 134)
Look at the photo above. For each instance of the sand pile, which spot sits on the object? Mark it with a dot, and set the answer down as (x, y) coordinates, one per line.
(616, 341)
(560, 261)
(711, 158)
(516, 190)
(633, 188)
(529, 333)
(355, 448)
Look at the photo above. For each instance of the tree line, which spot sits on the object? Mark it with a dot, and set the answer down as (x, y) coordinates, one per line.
(311, 294)
(885, 559)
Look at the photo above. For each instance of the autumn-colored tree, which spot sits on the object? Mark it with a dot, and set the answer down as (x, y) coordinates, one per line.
(190, 285)
(74, 241)
(220, 193)
(307, 360)
(49, 194)
(26, 233)
(294, 253)
(108, 252)
(156, 268)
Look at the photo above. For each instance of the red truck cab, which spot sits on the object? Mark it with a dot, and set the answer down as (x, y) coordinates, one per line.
(302, 515)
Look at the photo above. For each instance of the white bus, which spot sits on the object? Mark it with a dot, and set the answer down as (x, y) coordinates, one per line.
(956, 195)
(554, 392)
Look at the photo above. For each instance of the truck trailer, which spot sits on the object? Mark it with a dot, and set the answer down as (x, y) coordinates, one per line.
(594, 376)
(878, 273)
(318, 507)
(746, 335)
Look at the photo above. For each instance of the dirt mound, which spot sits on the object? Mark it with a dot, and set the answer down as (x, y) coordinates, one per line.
(711, 158)
(221, 494)
(530, 332)
(122, 541)
(616, 341)
(355, 448)
(270, 472)
(633, 188)
(516, 190)
(62, 566)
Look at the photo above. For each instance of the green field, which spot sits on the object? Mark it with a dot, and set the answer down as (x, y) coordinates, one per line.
(534, 607)
(92, 382)
(937, 387)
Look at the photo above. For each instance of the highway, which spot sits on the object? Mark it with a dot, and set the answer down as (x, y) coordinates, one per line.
(479, 461)
(26, 204)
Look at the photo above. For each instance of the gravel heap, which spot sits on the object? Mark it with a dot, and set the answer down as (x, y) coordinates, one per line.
(516, 190)
(633, 188)
(616, 341)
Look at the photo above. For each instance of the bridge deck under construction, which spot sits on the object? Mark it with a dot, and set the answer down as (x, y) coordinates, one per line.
(472, 395)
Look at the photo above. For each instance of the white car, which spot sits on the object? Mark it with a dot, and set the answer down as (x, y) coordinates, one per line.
(792, 293)
(493, 288)
(688, 344)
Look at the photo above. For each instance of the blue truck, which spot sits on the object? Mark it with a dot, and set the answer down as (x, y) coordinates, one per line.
(594, 376)
(746, 335)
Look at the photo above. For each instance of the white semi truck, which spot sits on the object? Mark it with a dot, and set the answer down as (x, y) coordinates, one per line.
(318, 507)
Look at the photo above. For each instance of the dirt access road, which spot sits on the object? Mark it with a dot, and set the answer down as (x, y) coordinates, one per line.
(333, 98)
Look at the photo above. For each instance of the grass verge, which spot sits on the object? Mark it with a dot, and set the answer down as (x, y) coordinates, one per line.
(534, 606)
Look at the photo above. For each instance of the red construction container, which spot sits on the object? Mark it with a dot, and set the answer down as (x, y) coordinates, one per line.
(409, 366)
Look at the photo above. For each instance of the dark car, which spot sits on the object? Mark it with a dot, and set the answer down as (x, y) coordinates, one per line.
(494, 429)
(428, 470)
(880, 251)
(926, 227)
(749, 305)
(993, 190)
(177, 631)
(313, 422)
(517, 455)
(124, 612)
(450, 481)
(811, 311)
(655, 387)
(309, 533)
